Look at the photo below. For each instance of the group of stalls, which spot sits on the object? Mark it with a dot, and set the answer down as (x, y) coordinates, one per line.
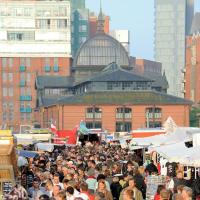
(182, 145)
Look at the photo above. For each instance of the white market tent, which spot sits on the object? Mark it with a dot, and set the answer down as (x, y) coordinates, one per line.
(178, 152)
(181, 134)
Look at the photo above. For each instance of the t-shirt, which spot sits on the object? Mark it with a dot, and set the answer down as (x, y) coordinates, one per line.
(171, 169)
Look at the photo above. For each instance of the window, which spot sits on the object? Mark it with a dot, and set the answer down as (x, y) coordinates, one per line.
(47, 61)
(43, 23)
(10, 77)
(61, 23)
(55, 61)
(22, 116)
(5, 92)
(11, 106)
(93, 125)
(10, 62)
(82, 28)
(123, 126)
(28, 62)
(11, 115)
(4, 76)
(123, 113)
(4, 105)
(93, 112)
(10, 92)
(4, 117)
(28, 77)
(4, 62)
(22, 62)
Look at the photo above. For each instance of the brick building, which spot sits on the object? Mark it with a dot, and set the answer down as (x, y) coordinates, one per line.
(192, 68)
(35, 39)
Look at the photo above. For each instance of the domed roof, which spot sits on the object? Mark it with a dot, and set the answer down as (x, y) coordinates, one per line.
(101, 50)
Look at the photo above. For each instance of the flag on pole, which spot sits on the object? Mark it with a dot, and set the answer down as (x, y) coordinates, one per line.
(83, 129)
(53, 129)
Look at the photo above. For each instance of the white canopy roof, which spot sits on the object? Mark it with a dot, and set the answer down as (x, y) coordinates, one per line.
(179, 153)
(181, 134)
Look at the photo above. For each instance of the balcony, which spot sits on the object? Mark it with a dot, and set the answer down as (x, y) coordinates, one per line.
(56, 68)
(22, 83)
(47, 68)
(22, 68)
(26, 98)
(25, 110)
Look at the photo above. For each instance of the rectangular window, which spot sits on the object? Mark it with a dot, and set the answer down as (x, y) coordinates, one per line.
(10, 92)
(55, 61)
(22, 116)
(28, 91)
(28, 62)
(5, 92)
(10, 77)
(4, 117)
(10, 62)
(123, 126)
(28, 77)
(4, 105)
(11, 116)
(11, 106)
(22, 62)
(61, 23)
(4, 62)
(93, 125)
(4, 77)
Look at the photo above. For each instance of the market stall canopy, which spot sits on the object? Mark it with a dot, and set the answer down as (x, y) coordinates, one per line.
(184, 155)
(181, 134)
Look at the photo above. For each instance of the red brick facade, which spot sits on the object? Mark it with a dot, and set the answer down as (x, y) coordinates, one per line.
(93, 25)
(18, 86)
(192, 69)
(67, 117)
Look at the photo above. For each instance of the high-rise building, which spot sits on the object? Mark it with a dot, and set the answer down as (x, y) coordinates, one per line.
(123, 36)
(77, 4)
(192, 65)
(80, 29)
(35, 38)
(173, 19)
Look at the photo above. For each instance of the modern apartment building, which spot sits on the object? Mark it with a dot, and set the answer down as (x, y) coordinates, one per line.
(173, 19)
(35, 38)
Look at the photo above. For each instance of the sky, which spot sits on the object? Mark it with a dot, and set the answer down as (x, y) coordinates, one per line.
(136, 16)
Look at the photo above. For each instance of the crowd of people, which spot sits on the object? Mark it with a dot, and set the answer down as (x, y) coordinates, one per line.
(99, 172)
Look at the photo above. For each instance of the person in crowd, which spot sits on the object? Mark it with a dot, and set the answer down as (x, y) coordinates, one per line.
(187, 193)
(84, 192)
(151, 167)
(56, 190)
(178, 180)
(157, 195)
(128, 195)
(116, 188)
(44, 197)
(56, 180)
(60, 195)
(49, 188)
(165, 194)
(102, 189)
(91, 180)
(35, 191)
(132, 186)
